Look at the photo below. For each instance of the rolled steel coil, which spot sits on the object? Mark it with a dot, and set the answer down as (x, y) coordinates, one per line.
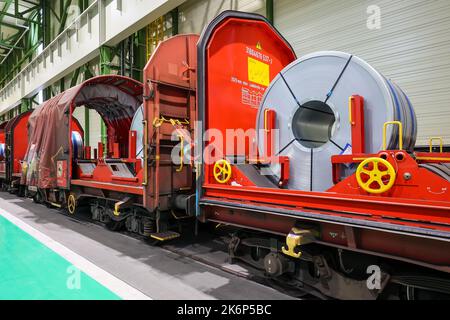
(2, 151)
(441, 169)
(137, 125)
(311, 100)
(77, 145)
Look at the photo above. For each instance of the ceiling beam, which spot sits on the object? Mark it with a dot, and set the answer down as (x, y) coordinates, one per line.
(7, 14)
(14, 26)
(31, 9)
(31, 2)
(9, 46)
(64, 8)
(5, 9)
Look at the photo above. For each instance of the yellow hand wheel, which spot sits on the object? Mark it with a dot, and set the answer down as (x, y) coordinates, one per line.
(222, 171)
(71, 204)
(24, 168)
(375, 175)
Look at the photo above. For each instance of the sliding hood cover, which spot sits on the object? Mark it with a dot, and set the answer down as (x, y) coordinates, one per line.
(115, 98)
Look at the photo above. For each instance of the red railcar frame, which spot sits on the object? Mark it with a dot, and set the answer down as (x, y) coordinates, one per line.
(411, 222)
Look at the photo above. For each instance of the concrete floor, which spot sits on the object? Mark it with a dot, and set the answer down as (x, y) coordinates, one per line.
(153, 271)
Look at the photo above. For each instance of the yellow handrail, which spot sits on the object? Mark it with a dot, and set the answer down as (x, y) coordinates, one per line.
(181, 153)
(174, 122)
(145, 123)
(400, 133)
(350, 100)
(266, 111)
(441, 143)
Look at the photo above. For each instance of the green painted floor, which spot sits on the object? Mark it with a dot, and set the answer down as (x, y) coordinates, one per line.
(31, 271)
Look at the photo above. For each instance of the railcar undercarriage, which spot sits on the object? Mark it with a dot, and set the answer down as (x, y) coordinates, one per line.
(335, 273)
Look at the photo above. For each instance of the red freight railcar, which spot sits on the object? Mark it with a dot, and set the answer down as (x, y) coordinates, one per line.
(120, 187)
(16, 137)
(330, 238)
(324, 242)
(2, 153)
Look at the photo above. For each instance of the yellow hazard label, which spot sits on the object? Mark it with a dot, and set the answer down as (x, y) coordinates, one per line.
(258, 72)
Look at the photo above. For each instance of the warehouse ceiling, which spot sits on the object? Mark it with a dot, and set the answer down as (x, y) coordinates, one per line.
(15, 18)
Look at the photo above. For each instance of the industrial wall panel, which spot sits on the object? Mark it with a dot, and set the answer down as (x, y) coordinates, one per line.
(95, 131)
(94, 125)
(130, 16)
(78, 114)
(411, 45)
(195, 14)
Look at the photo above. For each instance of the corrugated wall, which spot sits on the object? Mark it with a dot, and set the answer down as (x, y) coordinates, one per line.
(412, 46)
(195, 14)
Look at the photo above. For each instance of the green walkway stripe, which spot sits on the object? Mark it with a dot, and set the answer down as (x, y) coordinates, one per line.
(31, 271)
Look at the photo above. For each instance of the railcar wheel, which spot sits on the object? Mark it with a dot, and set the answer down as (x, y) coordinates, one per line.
(38, 197)
(21, 191)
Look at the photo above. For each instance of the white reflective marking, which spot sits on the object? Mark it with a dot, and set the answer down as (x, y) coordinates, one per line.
(117, 286)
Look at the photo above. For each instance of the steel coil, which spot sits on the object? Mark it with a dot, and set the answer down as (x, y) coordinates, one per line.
(77, 145)
(310, 97)
(2, 151)
(136, 125)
